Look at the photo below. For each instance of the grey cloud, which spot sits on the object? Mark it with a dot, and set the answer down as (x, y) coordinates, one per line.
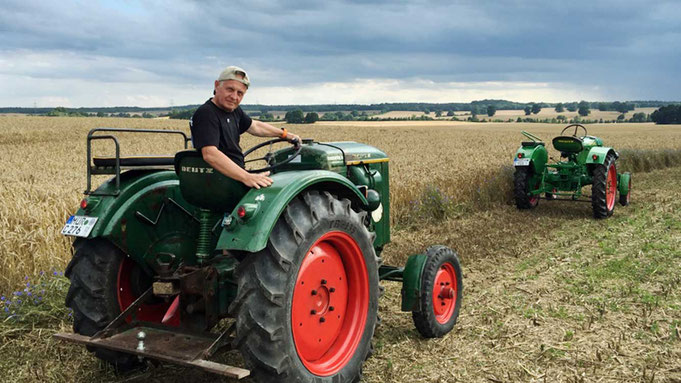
(293, 42)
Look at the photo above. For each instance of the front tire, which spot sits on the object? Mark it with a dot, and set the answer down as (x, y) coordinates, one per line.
(604, 189)
(441, 293)
(307, 304)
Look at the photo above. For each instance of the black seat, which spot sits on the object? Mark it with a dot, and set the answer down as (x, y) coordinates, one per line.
(568, 144)
(203, 186)
(532, 144)
(135, 161)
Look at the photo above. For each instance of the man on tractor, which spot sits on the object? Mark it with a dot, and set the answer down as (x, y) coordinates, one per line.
(217, 125)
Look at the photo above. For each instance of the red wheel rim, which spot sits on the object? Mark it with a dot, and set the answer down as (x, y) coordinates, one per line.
(152, 312)
(327, 325)
(445, 291)
(611, 187)
(534, 198)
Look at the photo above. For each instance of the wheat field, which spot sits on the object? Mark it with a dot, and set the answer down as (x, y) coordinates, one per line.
(43, 167)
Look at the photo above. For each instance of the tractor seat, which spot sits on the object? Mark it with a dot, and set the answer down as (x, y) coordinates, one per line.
(532, 144)
(203, 186)
(135, 161)
(568, 144)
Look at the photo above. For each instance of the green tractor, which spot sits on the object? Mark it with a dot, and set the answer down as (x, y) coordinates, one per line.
(173, 261)
(584, 161)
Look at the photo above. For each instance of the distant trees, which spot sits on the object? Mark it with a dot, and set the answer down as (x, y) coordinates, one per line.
(560, 108)
(311, 118)
(670, 114)
(583, 108)
(622, 107)
(266, 116)
(295, 117)
(536, 108)
(571, 107)
(639, 117)
(528, 110)
(491, 110)
(181, 114)
(450, 113)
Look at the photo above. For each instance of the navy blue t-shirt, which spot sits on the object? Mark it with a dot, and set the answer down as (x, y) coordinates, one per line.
(212, 126)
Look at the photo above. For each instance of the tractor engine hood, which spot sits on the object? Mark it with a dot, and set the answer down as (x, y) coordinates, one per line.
(333, 156)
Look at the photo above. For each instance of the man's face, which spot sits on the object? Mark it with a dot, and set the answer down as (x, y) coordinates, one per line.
(228, 94)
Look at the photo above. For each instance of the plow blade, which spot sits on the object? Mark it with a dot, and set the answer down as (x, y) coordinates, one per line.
(168, 346)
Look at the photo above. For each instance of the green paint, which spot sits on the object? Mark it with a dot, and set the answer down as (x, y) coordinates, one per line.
(411, 285)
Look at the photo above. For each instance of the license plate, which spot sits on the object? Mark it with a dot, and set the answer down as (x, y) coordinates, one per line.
(79, 225)
(521, 162)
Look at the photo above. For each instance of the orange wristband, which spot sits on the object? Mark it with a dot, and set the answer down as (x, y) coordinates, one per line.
(283, 133)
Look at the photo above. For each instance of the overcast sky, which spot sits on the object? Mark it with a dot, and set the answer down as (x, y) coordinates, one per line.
(161, 53)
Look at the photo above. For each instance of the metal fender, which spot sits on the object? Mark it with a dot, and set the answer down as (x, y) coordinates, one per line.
(262, 207)
(623, 183)
(597, 155)
(148, 217)
(411, 282)
(537, 154)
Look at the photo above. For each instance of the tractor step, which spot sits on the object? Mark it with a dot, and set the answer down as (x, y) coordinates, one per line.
(165, 345)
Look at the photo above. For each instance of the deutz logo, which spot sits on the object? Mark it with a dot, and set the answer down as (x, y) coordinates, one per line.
(191, 169)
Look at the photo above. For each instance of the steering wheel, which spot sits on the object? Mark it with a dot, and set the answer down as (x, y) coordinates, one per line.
(576, 126)
(269, 157)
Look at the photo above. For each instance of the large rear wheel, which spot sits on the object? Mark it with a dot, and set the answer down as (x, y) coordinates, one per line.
(524, 182)
(307, 304)
(103, 283)
(604, 189)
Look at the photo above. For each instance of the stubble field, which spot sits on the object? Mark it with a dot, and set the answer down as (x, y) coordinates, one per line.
(550, 295)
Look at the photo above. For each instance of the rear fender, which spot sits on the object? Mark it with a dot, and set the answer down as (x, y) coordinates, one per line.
(265, 205)
(598, 154)
(147, 218)
(537, 154)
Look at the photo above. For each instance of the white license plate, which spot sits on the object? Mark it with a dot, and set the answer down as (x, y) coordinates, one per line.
(79, 225)
(521, 162)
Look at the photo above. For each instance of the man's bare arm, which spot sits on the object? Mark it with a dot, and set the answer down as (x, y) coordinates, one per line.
(263, 129)
(220, 162)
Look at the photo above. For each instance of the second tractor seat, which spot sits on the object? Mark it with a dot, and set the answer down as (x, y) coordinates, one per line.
(568, 144)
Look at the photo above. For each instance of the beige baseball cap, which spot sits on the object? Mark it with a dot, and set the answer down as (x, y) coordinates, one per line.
(235, 73)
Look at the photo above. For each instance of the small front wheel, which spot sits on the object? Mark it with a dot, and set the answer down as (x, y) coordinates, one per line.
(441, 293)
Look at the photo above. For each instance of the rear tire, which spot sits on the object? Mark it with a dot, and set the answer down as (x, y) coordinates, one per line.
(93, 272)
(604, 189)
(521, 188)
(441, 293)
(103, 282)
(298, 320)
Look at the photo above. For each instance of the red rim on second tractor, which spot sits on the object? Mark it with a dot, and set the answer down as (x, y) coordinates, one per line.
(611, 187)
(444, 293)
(125, 287)
(327, 325)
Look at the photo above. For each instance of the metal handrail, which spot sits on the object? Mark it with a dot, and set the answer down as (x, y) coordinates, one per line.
(91, 137)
